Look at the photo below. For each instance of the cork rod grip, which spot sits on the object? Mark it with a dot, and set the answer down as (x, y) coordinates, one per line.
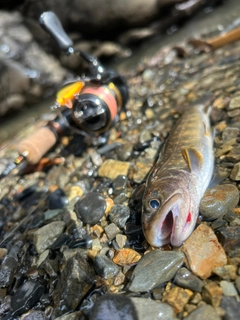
(37, 144)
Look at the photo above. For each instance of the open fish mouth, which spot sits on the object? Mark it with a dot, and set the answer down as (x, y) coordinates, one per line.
(167, 220)
(167, 226)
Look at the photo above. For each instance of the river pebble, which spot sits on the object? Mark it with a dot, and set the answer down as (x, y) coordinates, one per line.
(126, 256)
(44, 237)
(228, 288)
(121, 240)
(237, 284)
(177, 298)
(231, 307)
(119, 215)
(140, 171)
(147, 274)
(91, 208)
(115, 307)
(203, 252)
(217, 201)
(57, 199)
(203, 312)
(227, 272)
(113, 168)
(105, 267)
(229, 237)
(111, 231)
(235, 173)
(9, 265)
(26, 297)
(75, 281)
(212, 294)
(34, 315)
(185, 279)
(150, 310)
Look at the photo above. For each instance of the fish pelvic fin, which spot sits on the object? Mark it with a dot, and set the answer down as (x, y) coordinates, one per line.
(193, 158)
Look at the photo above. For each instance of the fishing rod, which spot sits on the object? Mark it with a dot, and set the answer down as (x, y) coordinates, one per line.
(88, 106)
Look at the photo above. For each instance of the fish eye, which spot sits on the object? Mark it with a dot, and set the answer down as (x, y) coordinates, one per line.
(154, 203)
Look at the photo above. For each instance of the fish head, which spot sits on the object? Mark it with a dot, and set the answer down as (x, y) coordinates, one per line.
(169, 213)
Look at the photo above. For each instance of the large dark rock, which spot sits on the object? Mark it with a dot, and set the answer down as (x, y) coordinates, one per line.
(76, 280)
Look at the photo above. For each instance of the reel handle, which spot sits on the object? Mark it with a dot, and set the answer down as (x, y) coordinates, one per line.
(50, 22)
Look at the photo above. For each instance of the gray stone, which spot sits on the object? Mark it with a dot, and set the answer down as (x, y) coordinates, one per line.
(151, 310)
(237, 284)
(119, 215)
(230, 133)
(203, 312)
(229, 237)
(111, 231)
(217, 201)
(228, 288)
(235, 173)
(76, 280)
(185, 279)
(154, 268)
(105, 267)
(112, 306)
(44, 237)
(91, 208)
(231, 307)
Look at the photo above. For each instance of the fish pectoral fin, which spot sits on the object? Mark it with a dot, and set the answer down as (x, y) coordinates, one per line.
(193, 158)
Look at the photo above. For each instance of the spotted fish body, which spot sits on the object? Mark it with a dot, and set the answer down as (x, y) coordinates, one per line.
(178, 180)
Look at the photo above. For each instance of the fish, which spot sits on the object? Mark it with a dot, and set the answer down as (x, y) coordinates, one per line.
(177, 181)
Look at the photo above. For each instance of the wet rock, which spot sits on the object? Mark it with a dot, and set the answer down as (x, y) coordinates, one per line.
(217, 201)
(231, 307)
(121, 240)
(105, 267)
(230, 133)
(57, 200)
(5, 306)
(9, 266)
(50, 214)
(228, 272)
(185, 279)
(232, 218)
(119, 215)
(237, 284)
(26, 297)
(235, 173)
(44, 237)
(119, 184)
(71, 316)
(34, 315)
(177, 298)
(212, 294)
(125, 152)
(203, 312)
(126, 256)
(113, 168)
(118, 305)
(203, 252)
(91, 208)
(229, 237)
(111, 231)
(140, 171)
(228, 288)
(148, 310)
(234, 103)
(216, 224)
(75, 281)
(147, 273)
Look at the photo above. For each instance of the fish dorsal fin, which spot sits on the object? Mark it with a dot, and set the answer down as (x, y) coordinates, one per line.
(193, 158)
